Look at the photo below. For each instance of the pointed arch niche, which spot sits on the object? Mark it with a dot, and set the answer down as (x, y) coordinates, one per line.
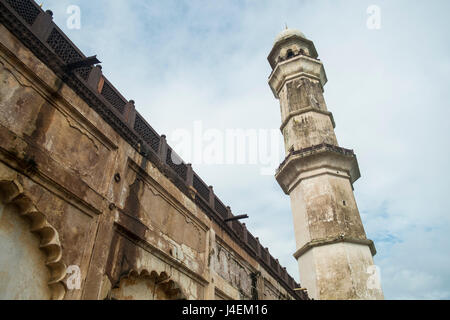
(30, 252)
(147, 286)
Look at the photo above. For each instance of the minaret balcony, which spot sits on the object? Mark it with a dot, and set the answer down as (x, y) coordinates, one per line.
(317, 160)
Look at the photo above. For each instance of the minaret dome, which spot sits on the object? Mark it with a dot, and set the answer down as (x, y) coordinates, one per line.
(288, 33)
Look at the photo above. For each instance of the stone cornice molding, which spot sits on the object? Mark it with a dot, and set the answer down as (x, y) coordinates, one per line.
(303, 164)
(300, 66)
(306, 110)
(326, 241)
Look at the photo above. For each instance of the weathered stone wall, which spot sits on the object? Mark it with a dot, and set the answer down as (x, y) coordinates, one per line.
(93, 201)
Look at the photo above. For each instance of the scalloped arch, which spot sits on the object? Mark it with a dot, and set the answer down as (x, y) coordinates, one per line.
(170, 288)
(12, 193)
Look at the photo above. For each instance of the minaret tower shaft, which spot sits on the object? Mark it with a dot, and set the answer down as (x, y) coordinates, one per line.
(333, 253)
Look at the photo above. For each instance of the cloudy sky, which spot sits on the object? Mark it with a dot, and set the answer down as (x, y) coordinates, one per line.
(187, 62)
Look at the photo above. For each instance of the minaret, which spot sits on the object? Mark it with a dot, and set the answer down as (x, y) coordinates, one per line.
(333, 253)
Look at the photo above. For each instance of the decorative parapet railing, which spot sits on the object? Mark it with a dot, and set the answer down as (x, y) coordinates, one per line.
(35, 28)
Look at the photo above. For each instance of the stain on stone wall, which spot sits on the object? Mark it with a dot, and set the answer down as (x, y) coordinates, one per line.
(230, 268)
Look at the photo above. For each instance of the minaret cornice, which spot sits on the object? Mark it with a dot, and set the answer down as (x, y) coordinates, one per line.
(306, 110)
(297, 67)
(314, 161)
(331, 240)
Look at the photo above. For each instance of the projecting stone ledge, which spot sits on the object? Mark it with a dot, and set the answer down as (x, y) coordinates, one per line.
(331, 240)
(299, 66)
(315, 161)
